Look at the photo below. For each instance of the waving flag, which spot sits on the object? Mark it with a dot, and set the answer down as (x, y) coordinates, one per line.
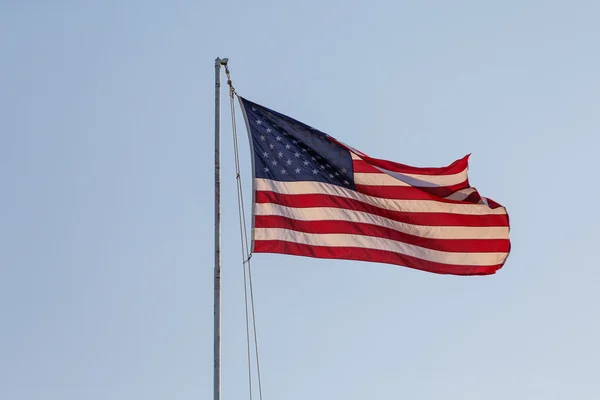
(315, 196)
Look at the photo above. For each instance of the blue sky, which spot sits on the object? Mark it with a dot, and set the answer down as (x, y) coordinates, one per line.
(106, 217)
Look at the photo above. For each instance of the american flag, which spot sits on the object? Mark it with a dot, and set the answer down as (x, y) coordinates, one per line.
(315, 196)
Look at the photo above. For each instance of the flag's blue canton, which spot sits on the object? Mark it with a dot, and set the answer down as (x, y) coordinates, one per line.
(289, 150)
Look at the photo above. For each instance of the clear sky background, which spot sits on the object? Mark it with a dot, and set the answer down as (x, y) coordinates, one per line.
(106, 198)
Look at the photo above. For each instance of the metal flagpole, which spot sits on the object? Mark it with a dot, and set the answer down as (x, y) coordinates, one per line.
(217, 304)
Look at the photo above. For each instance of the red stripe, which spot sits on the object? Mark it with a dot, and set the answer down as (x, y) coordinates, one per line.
(454, 168)
(430, 219)
(359, 228)
(407, 193)
(360, 254)
(412, 193)
(473, 198)
(366, 167)
(492, 203)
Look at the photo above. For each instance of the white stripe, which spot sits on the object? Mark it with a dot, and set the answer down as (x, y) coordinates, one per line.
(427, 206)
(398, 179)
(461, 194)
(392, 178)
(368, 242)
(340, 214)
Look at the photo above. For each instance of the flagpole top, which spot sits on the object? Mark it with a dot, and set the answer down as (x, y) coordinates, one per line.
(221, 61)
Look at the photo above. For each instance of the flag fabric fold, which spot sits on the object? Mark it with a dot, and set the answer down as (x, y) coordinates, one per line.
(315, 196)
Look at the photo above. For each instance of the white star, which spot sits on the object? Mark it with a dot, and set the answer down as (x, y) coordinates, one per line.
(253, 108)
(287, 146)
(295, 141)
(268, 130)
(278, 138)
(280, 154)
(344, 170)
(297, 170)
(331, 175)
(283, 171)
(346, 182)
(304, 149)
(265, 154)
(315, 171)
(337, 174)
(274, 162)
(262, 137)
(328, 166)
(296, 154)
(258, 121)
(314, 159)
(306, 163)
(322, 166)
(266, 169)
(289, 162)
(271, 146)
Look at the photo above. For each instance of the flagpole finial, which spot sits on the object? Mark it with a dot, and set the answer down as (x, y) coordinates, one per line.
(221, 61)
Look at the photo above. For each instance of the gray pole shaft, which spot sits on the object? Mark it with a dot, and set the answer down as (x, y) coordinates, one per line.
(217, 303)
